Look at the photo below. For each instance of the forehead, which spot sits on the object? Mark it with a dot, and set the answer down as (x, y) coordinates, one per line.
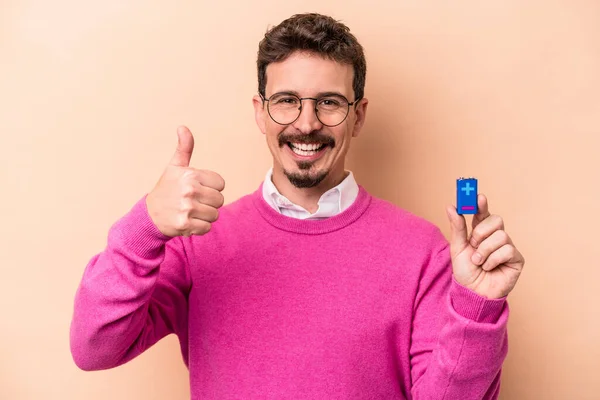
(309, 74)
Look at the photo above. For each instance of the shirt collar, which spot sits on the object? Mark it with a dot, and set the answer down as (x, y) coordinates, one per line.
(332, 202)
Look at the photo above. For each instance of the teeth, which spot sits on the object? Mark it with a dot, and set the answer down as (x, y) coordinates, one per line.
(304, 152)
(306, 147)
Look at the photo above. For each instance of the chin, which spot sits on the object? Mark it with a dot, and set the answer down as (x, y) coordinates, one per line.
(304, 179)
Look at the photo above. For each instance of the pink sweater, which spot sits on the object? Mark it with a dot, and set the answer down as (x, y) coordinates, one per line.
(361, 305)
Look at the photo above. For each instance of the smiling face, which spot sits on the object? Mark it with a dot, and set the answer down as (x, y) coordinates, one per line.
(306, 153)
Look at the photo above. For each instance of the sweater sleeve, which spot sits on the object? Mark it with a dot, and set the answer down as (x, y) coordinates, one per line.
(459, 338)
(131, 294)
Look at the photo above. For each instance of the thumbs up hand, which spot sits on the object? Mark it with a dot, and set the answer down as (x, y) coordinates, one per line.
(185, 200)
(487, 261)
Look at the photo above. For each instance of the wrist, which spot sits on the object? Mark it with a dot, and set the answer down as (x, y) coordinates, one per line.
(137, 231)
(474, 306)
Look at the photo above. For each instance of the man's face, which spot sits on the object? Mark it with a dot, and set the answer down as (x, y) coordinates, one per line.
(306, 151)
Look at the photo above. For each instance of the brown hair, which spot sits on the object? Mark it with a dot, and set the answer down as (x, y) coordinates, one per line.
(314, 33)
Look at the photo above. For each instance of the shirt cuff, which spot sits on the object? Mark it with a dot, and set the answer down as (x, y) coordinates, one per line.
(137, 232)
(473, 306)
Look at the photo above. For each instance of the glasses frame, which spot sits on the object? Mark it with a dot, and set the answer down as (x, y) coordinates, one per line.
(264, 99)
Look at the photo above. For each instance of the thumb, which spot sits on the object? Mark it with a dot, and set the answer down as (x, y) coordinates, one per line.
(458, 227)
(185, 147)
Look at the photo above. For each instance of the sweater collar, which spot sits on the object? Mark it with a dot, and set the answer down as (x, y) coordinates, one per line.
(312, 226)
(332, 202)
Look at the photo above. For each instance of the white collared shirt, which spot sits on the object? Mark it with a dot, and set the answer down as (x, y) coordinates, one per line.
(332, 202)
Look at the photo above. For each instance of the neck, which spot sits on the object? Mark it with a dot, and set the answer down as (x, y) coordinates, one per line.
(308, 198)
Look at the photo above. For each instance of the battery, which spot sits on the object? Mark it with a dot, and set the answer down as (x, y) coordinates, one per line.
(466, 195)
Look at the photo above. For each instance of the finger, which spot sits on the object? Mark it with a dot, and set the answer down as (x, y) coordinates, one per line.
(185, 147)
(485, 229)
(495, 241)
(204, 212)
(197, 227)
(458, 228)
(482, 210)
(186, 225)
(209, 196)
(506, 254)
(206, 178)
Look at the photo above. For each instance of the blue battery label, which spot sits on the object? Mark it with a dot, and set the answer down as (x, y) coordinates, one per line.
(466, 196)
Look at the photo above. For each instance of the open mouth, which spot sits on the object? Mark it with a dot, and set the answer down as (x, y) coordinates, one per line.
(306, 149)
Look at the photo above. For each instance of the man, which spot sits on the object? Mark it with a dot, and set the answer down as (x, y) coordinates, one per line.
(308, 288)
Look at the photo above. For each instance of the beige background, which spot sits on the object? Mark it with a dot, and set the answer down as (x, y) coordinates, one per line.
(91, 94)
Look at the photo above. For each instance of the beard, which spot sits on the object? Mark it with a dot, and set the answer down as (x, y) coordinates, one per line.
(305, 178)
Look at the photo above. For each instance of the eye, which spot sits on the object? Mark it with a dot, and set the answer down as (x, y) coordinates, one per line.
(330, 103)
(286, 100)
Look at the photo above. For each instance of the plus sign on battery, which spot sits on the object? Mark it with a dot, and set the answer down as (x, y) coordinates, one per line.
(467, 189)
(466, 196)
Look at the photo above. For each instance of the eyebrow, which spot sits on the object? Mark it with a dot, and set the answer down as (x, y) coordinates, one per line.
(320, 94)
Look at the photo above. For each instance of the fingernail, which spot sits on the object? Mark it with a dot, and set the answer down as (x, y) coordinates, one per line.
(476, 258)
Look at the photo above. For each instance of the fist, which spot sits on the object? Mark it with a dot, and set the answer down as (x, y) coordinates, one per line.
(185, 201)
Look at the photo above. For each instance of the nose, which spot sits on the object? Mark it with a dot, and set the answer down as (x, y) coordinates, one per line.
(308, 122)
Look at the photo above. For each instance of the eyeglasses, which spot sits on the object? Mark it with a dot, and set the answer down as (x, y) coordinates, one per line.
(285, 108)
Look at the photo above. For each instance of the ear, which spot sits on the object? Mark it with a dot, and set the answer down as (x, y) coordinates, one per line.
(361, 115)
(260, 113)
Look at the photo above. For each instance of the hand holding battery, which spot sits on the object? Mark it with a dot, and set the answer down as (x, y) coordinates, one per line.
(486, 260)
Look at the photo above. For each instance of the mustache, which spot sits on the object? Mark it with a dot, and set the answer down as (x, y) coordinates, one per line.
(313, 137)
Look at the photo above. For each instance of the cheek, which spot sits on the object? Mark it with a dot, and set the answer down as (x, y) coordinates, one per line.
(342, 137)
(350, 123)
(272, 133)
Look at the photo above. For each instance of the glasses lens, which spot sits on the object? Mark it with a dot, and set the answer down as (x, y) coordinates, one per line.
(332, 110)
(284, 108)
